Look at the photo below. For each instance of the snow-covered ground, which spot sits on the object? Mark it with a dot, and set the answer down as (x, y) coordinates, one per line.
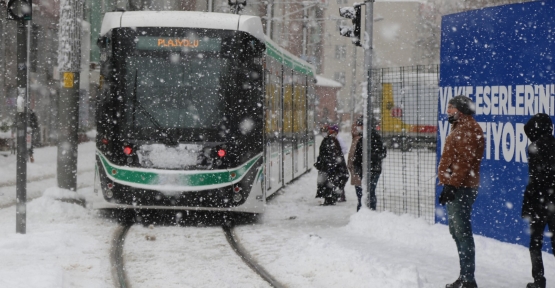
(299, 242)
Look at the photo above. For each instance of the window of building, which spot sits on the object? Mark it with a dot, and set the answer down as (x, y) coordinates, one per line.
(339, 77)
(340, 52)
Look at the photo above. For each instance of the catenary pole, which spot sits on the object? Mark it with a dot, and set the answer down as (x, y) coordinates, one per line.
(354, 85)
(20, 11)
(2, 57)
(269, 15)
(305, 28)
(367, 140)
(69, 62)
(22, 98)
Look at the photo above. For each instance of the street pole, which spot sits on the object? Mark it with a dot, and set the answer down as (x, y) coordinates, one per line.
(353, 85)
(69, 65)
(21, 166)
(367, 140)
(269, 15)
(2, 58)
(305, 28)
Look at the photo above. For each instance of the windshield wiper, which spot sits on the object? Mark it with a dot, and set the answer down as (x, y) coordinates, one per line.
(167, 140)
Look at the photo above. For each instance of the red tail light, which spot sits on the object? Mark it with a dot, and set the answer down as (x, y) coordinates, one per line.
(221, 153)
(104, 141)
(127, 150)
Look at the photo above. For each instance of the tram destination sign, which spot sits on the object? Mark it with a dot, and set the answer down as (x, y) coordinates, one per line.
(204, 44)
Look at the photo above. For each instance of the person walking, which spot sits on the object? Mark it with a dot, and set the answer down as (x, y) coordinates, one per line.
(378, 153)
(538, 205)
(354, 160)
(331, 164)
(459, 173)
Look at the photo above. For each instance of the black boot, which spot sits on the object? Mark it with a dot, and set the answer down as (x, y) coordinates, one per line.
(462, 284)
(537, 284)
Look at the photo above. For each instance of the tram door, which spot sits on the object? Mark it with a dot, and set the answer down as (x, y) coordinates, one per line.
(273, 116)
(299, 124)
(311, 149)
(287, 125)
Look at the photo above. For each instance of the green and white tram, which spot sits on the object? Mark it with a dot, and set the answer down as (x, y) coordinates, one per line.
(198, 111)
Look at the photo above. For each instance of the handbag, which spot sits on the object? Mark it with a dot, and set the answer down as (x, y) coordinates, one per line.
(319, 165)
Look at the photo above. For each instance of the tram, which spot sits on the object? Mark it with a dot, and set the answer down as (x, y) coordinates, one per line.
(198, 111)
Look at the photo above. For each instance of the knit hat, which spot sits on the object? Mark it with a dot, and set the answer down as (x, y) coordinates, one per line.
(463, 104)
(333, 128)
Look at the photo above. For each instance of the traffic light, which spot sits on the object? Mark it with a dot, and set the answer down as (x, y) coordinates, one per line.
(19, 10)
(353, 13)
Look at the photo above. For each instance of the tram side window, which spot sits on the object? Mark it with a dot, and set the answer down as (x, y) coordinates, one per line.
(288, 103)
(310, 100)
(299, 104)
(268, 99)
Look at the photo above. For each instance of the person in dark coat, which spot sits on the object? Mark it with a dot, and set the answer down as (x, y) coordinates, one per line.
(331, 165)
(378, 153)
(354, 160)
(538, 205)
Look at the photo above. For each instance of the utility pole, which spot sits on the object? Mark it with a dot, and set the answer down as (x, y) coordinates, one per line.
(354, 13)
(20, 11)
(69, 65)
(269, 15)
(367, 140)
(354, 86)
(210, 6)
(2, 58)
(305, 28)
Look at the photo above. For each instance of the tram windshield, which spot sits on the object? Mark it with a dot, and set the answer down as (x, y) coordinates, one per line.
(183, 83)
(176, 81)
(184, 94)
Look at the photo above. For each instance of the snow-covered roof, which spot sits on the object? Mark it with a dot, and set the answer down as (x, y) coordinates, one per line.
(192, 19)
(326, 82)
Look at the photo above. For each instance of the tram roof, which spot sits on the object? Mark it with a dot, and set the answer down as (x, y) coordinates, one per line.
(286, 58)
(192, 19)
(208, 20)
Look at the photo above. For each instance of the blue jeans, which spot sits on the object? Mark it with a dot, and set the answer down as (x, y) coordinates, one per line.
(372, 200)
(460, 227)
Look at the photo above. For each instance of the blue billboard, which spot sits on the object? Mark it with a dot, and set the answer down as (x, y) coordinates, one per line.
(503, 58)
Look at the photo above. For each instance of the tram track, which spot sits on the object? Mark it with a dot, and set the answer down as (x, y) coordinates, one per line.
(121, 279)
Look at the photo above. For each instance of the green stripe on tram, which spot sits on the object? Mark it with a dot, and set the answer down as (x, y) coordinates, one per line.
(196, 179)
(287, 60)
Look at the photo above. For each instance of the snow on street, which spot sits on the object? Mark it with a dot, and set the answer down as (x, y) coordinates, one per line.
(300, 243)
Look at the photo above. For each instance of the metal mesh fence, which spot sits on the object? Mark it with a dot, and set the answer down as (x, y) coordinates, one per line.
(405, 106)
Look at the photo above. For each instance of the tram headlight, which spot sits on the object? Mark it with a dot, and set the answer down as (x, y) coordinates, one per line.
(237, 197)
